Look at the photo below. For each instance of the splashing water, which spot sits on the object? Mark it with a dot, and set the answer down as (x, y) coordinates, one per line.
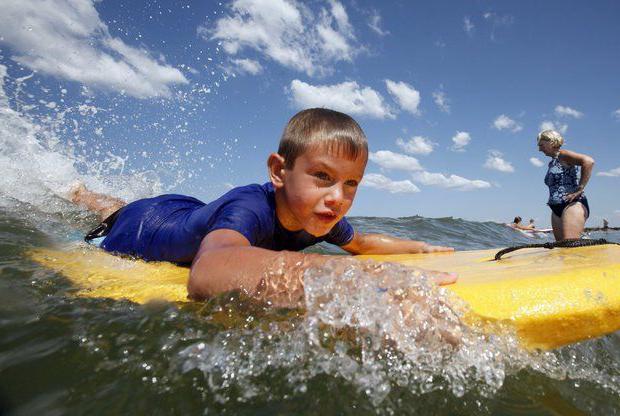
(112, 143)
(39, 168)
(380, 327)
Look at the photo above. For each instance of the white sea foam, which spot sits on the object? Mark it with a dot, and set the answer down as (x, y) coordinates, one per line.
(39, 167)
(359, 327)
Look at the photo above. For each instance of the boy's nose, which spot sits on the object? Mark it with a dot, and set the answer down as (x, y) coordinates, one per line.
(335, 196)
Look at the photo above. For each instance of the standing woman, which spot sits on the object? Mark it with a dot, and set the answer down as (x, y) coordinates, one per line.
(569, 206)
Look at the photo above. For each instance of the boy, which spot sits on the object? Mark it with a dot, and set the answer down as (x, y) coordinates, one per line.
(248, 239)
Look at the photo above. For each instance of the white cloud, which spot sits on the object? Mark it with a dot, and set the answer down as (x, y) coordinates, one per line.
(248, 66)
(536, 162)
(390, 160)
(616, 114)
(342, 19)
(288, 33)
(442, 101)
(613, 172)
(67, 39)
(496, 161)
(550, 125)
(375, 24)
(335, 38)
(448, 181)
(417, 145)
(460, 140)
(503, 122)
(468, 26)
(407, 97)
(561, 111)
(497, 21)
(347, 97)
(378, 181)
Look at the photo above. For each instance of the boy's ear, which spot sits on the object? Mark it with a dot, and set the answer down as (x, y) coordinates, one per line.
(275, 165)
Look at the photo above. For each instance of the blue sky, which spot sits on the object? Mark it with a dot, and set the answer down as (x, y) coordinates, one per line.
(450, 94)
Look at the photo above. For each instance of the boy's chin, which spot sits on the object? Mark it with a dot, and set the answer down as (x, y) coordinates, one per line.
(318, 231)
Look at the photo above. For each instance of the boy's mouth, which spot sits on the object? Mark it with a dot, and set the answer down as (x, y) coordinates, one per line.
(326, 216)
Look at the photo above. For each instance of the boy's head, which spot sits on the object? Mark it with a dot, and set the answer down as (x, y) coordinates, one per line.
(338, 132)
(317, 170)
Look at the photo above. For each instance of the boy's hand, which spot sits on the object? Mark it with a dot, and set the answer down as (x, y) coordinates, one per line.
(441, 278)
(435, 249)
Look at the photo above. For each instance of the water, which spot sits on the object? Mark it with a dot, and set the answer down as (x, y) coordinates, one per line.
(60, 354)
(351, 350)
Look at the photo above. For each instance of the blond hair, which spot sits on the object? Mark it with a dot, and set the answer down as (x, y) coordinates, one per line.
(552, 137)
(322, 126)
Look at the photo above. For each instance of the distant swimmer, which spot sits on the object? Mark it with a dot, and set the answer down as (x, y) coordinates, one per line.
(517, 224)
(605, 224)
(532, 223)
(567, 177)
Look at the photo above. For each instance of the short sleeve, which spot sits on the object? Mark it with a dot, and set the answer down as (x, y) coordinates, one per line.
(341, 234)
(253, 224)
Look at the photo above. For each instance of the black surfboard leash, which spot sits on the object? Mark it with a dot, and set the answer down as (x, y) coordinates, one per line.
(569, 243)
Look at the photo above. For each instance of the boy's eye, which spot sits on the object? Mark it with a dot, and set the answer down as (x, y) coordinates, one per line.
(352, 183)
(322, 176)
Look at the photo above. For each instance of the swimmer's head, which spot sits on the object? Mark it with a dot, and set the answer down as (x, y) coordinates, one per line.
(551, 136)
(517, 220)
(337, 132)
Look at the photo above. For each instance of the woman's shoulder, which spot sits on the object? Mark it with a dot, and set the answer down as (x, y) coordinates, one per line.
(570, 158)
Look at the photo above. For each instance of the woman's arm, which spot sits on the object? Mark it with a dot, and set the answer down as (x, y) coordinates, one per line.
(586, 163)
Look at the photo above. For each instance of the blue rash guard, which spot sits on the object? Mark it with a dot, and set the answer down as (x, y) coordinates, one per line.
(171, 227)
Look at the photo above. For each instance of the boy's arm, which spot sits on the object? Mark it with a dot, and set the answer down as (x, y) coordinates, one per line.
(384, 244)
(226, 261)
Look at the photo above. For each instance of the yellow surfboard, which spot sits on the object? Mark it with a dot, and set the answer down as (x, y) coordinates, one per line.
(552, 297)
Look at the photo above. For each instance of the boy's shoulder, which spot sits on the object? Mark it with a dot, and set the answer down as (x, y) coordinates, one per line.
(254, 197)
(253, 190)
(249, 210)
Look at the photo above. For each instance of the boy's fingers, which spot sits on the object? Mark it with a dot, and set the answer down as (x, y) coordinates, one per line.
(443, 278)
(433, 249)
(453, 336)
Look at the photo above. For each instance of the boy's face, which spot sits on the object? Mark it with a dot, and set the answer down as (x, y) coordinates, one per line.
(319, 190)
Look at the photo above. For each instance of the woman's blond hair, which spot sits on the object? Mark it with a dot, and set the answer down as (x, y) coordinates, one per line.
(552, 137)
